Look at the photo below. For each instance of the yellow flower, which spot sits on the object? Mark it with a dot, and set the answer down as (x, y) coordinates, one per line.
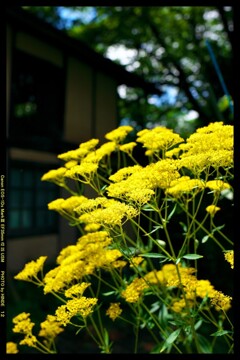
(229, 257)
(217, 185)
(92, 227)
(114, 311)
(204, 288)
(76, 290)
(83, 172)
(82, 307)
(11, 348)
(158, 138)
(56, 176)
(209, 146)
(184, 185)
(133, 291)
(128, 148)
(23, 324)
(50, 328)
(31, 269)
(212, 209)
(110, 213)
(135, 261)
(29, 340)
(119, 134)
(221, 301)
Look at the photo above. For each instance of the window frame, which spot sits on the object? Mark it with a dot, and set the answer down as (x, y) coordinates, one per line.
(35, 189)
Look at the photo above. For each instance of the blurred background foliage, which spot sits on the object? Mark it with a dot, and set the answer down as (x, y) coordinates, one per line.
(166, 45)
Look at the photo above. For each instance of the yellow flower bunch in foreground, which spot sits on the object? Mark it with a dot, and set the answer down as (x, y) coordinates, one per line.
(146, 238)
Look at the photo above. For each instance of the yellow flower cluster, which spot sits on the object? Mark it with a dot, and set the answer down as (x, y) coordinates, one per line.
(170, 277)
(24, 325)
(217, 185)
(77, 290)
(177, 170)
(106, 212)
(81, 152)
(229, 257)
(119, 134)
(75, 261)
(137, 184)
(133, 291)
(212, 209)
(76, 307)
(56, 176)
(31, 269)
(66, 207)
(157, 139)
(209, 146)
(185, 185)
(50, 328)
(114, 311)
(11, 348)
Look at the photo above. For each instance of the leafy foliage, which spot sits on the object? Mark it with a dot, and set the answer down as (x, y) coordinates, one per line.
(168, 48)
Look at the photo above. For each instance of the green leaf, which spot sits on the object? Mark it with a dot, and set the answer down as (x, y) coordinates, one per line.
(155, 229)
(220, 333)
(153, 255)
(198, 324)
(109, 293)
(218, 228)
(184, 226)
(204, 344)
(147, 208)
(172, 212)
(170, 339)
(205, 239)
(192, 256)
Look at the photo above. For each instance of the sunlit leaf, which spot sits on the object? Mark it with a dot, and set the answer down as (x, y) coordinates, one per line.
(192, 256)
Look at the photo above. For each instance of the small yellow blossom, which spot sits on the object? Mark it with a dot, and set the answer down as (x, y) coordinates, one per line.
(31, 270)
(229, 257)
(204, 288)
(111, 213)
(77, 290)
(128, 148)
(50, 328)
(217, 185)
(29, 340)
(56, 176)
(184, 185)
(133, 291)
(114, 311)
(158, 138)
(11, 348)
(182, 305)
(23, 324)
(75, 307)
(83, 172)
(135, 261)
(212, 209)
(221, 301)
(124, 173)
(92, 227)
(119, 134)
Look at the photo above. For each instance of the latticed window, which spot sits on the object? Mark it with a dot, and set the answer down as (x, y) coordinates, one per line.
(28, 197)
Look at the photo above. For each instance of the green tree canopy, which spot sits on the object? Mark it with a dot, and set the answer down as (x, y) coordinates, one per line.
(168, 47)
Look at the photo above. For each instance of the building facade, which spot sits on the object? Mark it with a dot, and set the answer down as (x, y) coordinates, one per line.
(59, 93)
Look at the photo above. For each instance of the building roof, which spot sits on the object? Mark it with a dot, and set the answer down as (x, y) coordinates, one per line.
(22, 19)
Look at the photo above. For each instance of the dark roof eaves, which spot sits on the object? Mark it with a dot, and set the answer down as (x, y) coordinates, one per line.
(78, 48)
